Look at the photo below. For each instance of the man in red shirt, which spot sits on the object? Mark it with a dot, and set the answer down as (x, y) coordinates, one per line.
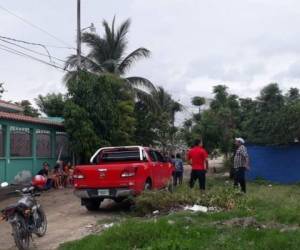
(197, 157)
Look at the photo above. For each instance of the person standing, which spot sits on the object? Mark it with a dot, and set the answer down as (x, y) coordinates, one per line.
(198, 158)
(178, 175)
(241, 164)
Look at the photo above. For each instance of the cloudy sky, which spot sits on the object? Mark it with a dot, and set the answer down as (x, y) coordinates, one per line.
(195, 44)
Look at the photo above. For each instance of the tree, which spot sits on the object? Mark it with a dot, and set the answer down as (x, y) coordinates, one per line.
(2, 90)
(218, 125)
(107, 108)
(157, 126)
(107, 55)
(81, 131)
(51, 104)
(28, 109)
(145, 124)
(293, 95)
(198, 101)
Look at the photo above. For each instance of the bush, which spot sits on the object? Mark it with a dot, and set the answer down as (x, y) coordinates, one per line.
(224, 198)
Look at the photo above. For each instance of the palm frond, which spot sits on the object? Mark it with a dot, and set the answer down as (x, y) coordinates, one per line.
(120, 38)
(141, 82)
(133, 57)
(91, 39)
(71, 62)
(109, 38)
(146, 98)
(86, 64)
(123, 30)
(69, 76)
(98, 46)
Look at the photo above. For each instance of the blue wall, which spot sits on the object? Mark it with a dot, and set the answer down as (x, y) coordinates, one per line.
(279, 164)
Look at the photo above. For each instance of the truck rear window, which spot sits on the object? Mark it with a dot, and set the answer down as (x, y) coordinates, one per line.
(120, 156)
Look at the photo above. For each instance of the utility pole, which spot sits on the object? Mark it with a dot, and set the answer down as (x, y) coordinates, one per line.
(78, 36)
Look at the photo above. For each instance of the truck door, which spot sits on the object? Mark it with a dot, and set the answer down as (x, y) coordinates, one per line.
(155, 169)
(164, 169)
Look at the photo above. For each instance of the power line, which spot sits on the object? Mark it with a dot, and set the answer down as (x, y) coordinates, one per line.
(37, 44)
(34, 25)
(16, 52)
(36, 52)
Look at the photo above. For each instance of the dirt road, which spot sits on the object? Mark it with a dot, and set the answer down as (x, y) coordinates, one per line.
(67, 220)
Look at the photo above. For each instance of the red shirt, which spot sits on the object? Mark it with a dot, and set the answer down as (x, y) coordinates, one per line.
(197, 155)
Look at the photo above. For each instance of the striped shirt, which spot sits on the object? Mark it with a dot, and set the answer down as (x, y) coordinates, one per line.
(240, 158)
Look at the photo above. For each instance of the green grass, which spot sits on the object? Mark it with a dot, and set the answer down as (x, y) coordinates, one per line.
(274, 207)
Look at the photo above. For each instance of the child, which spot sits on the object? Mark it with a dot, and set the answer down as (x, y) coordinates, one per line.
(178, 175)
(56, 176)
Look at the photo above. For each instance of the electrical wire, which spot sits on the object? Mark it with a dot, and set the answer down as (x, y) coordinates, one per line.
(36, 52)
(19, 53)
(38, 44)
(34, 25)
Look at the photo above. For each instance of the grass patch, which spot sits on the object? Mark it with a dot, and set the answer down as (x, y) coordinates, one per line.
(184, 234)
(268, 205)
(224, 197)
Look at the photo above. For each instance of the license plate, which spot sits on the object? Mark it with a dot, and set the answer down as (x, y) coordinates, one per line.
(103, 192)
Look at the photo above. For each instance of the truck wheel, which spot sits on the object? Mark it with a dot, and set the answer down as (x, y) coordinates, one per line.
(92, 205)
(148, 185)
(119, 199)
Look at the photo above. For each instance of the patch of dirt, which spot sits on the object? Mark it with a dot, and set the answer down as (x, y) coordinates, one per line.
(67, 220)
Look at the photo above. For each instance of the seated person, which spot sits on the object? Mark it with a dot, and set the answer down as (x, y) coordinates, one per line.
(45, 172)
(66, 175)
(57, 177)
(71, 172)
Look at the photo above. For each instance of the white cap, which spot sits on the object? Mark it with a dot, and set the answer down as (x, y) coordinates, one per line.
(241, 140)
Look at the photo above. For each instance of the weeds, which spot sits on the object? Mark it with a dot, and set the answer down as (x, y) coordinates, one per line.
(225, 198)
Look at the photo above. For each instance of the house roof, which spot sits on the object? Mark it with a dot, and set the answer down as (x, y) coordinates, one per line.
(29, 119)
(11, 106)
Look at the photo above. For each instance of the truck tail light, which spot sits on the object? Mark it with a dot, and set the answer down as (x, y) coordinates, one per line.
(129, 172)
(78, 175)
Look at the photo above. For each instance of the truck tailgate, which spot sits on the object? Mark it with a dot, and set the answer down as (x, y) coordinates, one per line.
(105, 175)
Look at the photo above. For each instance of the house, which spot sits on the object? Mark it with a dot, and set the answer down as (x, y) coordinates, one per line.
(26, 142)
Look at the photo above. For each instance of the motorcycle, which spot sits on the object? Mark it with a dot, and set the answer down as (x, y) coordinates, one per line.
(26, 217)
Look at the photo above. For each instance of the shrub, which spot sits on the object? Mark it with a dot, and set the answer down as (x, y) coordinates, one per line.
(224, 198)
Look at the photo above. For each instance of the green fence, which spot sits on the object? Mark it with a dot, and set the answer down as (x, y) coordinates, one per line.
(25, 146)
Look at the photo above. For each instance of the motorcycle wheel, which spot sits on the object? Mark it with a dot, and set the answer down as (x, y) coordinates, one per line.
(41, 223)
(20, 233)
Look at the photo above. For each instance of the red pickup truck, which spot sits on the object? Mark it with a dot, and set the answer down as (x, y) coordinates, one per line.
(119, 172)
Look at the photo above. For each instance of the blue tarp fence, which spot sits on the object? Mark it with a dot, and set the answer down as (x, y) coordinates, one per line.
(280, 164)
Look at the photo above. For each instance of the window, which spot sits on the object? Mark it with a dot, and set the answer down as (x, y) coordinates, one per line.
(160, 158)
(152, 156)
(43, 143)
(20, 142)
(1, 142)
(62, 145)
(119, 155)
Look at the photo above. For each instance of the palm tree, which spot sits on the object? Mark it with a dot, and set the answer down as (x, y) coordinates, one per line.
(167, 109)
(107, 55)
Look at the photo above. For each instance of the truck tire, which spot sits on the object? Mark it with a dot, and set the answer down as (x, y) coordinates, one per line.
(92, 204)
